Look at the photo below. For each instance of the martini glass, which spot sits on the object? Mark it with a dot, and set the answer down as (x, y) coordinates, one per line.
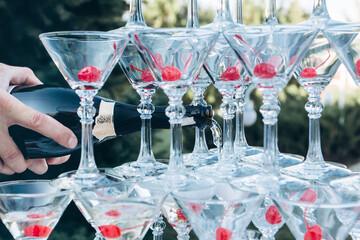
(314, 73)
(200, 155)
(241, 147)
(121, 210)
(218, 211)
(142, 81)
(228, 74)
(319, 211)
(107, 176)
(30, 209)
(284, 159)
(270, 54)
(164, 50)
(85, 59)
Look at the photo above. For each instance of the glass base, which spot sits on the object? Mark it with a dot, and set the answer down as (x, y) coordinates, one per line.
(200, 159)
(284, 159)
(140, 169)
(314, 171)
(227, 171)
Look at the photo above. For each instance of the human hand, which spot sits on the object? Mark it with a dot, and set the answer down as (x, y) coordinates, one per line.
(12, 112)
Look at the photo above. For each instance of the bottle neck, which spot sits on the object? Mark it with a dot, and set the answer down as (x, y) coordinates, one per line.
(192, 17)
(270, 12)
(320, 9)
(136, 17)
(223, 12)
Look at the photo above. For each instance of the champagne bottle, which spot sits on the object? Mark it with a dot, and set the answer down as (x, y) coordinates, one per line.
(112, 119)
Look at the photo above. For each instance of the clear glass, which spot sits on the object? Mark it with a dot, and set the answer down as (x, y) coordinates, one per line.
(270, 54)
(174, 57)
(314, 74)
(218, 211)
(85, 59)
(241, 147)
(200, 155)
(227, 74)
(30, 209)
(304, 211)
(107, 176)
(122, 210)
(139, 76)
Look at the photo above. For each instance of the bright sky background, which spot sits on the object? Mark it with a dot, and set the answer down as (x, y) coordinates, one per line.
(342, 10)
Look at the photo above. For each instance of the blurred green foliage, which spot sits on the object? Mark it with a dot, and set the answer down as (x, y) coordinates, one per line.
(22, 22)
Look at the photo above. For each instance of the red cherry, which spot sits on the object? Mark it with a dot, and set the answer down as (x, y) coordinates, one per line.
(113, 213)
(89, 74)
(264, 71)
(230, 74)
(308, 73)
(309, 196)
(272, 215)
(110, 231)
(313, 233)
(146, 76)
(358, 67)
(223, 234)
(196, 207)
(39, 231)
(180, 215)
(171, 73)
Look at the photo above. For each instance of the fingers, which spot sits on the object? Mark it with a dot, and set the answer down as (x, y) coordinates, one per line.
(57, 161)
(11, 155)
(18, 75)
(41, 123)
(5, 169)
(38, 166)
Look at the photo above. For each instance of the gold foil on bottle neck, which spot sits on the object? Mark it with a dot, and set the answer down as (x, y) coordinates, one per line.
(104, 122)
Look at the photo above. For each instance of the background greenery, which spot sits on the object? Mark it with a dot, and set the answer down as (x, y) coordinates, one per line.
(23, 20)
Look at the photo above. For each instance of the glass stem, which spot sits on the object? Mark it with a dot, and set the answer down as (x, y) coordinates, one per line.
(320, 9)
(192, 17)
(240, 139)
(158, 227)
(270, 12)
(239, 18)
(146, 108)
(86, 112)
(223, 12)
(270, 110)
(314, 108)
(228, 109)
(200, 145)
(136, 16)
(175, 111)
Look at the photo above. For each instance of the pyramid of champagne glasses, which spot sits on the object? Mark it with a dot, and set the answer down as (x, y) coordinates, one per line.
(217, 193)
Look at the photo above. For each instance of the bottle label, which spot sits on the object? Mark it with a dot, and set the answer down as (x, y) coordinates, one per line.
(188, 121)
(104, 122)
